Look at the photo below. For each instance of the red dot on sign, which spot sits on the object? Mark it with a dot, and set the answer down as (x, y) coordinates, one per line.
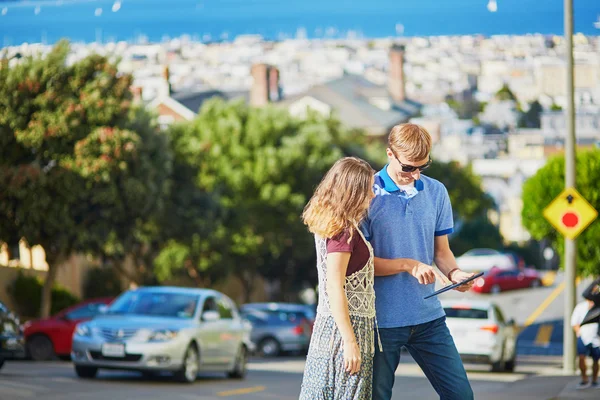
(570, 219)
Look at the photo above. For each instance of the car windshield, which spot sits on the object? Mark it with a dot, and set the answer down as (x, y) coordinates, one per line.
(469, 313)
(154, 304)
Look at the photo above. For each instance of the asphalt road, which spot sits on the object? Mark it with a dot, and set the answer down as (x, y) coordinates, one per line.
(267, 379)
(536, 377)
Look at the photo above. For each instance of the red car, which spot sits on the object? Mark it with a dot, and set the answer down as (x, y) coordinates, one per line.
(497, 280)
(49, 337)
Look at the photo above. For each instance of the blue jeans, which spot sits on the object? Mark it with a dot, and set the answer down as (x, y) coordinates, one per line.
(432, 347)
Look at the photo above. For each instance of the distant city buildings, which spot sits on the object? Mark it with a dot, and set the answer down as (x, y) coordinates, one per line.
(375, 84)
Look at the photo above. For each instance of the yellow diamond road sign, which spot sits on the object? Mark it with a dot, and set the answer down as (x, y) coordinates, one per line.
(570, 213)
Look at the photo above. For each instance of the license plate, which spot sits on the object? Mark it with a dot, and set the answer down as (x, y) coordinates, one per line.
(113, 350)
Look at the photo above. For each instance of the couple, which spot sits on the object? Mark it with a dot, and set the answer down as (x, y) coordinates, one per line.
(378, 234)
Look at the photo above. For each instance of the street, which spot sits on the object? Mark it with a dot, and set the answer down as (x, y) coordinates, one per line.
(538, 373)
(267, 379)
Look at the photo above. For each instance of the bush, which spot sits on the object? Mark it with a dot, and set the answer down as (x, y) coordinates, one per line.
(26, 291)
(102, 282)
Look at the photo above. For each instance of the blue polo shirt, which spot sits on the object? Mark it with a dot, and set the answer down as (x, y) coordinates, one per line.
(400, 226)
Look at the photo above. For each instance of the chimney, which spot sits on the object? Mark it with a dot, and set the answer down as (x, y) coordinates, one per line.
(396, 74)
(167, 77)
(259, 93)
(274, 88)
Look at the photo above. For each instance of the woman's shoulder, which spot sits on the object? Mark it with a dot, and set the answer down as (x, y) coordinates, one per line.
(343, 241)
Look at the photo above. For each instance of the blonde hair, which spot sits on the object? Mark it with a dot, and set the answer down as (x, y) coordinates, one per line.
(340, 201)
(411, 140)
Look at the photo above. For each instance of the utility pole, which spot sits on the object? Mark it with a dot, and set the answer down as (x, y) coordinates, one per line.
(570, 244)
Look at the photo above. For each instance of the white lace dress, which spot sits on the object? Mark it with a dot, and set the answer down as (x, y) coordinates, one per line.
(325, 377)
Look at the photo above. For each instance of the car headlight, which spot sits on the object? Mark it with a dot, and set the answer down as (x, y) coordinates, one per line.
(83, 330)
(162, 335)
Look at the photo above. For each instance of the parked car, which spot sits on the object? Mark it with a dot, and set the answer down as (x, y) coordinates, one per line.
(478, 260)
(154, 329)
(497, 280)
(12, 342)
(50, 337)
(279, 327)
(481, 333)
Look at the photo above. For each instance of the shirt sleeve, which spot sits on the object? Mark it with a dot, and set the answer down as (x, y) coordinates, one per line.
(445, 222)
(576, 317)
(339, 243)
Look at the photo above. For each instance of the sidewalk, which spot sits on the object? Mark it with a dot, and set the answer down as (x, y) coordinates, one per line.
(570, 392)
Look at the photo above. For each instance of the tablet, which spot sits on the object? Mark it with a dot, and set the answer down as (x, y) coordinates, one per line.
(454, 285)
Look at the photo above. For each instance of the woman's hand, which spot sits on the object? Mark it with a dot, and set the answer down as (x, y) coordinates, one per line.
(351, 357)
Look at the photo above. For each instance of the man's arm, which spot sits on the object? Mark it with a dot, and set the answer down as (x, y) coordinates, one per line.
(424, 273)
(445, 261)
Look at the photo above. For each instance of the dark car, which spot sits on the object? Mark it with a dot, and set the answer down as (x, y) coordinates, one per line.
(54, 335)
(279, 327)
(12, 342)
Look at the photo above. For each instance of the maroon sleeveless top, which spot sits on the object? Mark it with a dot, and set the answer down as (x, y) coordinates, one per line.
(357, 247)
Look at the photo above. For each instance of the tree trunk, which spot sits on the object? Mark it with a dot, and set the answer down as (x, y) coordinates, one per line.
(193, 273)
(247, 280)
(118, 265)
(47, 289)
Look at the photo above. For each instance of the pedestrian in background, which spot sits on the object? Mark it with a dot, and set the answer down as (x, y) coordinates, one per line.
(588, 343)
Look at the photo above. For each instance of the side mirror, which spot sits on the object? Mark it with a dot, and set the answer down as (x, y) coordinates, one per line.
(210, 316)
(511, 322)
(102, 309)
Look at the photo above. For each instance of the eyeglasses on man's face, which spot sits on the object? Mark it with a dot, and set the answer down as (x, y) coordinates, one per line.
(412, 168)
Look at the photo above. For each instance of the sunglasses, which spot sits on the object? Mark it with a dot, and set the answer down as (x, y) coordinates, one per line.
(412, 168)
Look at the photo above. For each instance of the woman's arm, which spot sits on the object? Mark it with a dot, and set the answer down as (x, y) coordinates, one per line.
(337, 264)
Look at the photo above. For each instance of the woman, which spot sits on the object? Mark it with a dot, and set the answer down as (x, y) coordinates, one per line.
(340, 358)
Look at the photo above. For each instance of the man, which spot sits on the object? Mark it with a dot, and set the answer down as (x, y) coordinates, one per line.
(588, 343)
(410, 218)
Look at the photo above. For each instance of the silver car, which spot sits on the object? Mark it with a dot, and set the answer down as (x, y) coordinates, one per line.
(155, 329)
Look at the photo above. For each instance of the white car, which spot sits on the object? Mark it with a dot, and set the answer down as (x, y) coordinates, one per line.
(155, 329)
(481, 333)
(482, 260)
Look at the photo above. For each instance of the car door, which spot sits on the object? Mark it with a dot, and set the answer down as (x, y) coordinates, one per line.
(231, 332)
(209, 331)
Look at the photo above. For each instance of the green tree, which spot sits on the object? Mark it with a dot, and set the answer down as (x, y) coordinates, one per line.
(261, 165)
(531, 118)
(75, 168)
(505, 94)
(544, 186)
(476, 233)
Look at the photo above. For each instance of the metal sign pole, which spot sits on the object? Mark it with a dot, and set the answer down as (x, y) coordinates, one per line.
(570, 244)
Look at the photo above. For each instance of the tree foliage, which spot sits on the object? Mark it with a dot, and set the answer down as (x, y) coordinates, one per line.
(545, 185)
(79, 168)
(260, 166)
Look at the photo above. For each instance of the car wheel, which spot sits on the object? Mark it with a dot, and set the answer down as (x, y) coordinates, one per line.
(40, 348)
(499, 365)
(495, 289)
(1, 362)
(86, 372)
(241, 361)
(269, 347)
(189, 370)
(536, 283)
(509, 366)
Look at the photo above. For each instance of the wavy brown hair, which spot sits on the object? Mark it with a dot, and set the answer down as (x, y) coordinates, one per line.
(342, 198)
